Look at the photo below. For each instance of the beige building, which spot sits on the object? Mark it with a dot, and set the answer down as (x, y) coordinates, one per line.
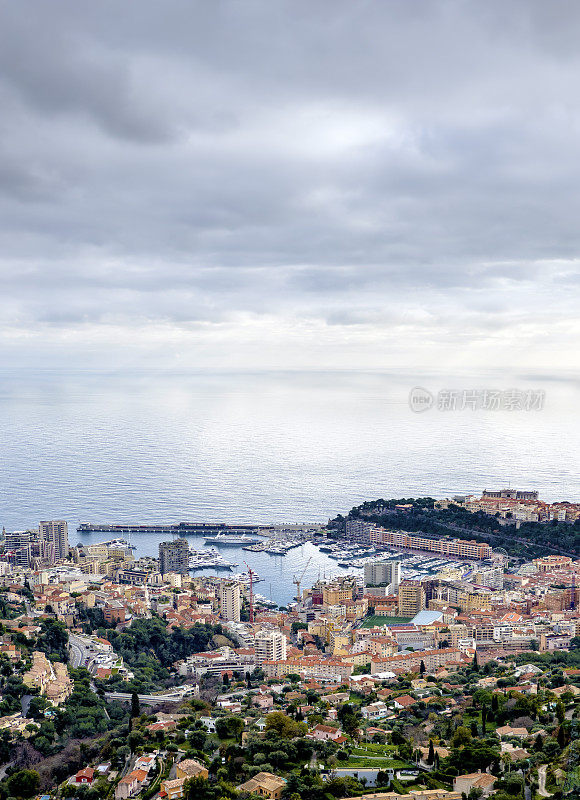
(334, 594)
(190, 768)
(264, 784)
(230, 601)
(270, 646)
(51, 679)
(411, 598)
(474, 780)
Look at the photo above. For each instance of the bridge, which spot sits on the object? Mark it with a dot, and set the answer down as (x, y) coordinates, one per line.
(153, 699)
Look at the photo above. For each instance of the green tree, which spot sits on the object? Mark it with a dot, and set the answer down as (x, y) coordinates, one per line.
(284, 725)
(462, 736)
(431, 756)
(135, 705)
(23, 783)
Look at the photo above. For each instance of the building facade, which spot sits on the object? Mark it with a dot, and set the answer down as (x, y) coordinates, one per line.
(174, 557)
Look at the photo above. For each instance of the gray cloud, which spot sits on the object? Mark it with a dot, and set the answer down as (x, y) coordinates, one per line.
(301, 165)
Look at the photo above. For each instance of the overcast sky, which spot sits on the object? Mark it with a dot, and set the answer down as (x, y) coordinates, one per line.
(311, 183)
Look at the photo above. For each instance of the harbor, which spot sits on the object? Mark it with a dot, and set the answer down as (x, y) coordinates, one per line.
(275, 559)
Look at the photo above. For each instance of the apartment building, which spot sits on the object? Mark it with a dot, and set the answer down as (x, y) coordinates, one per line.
(491, 577)
(230, 601)
(174, 557)
(357, 530)
(55, 534)
(411, 598)
(462, 548)
(383, 573)
(270, 646)
(411, 661)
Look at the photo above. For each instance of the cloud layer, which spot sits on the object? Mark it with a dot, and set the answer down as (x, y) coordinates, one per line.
(290, 184)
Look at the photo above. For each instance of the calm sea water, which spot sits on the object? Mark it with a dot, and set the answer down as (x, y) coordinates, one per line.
(262, 448)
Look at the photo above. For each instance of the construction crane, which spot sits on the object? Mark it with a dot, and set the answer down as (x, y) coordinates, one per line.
(251, 574)
(298, 581)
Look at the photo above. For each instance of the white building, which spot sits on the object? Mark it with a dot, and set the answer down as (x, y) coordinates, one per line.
(383, 573)
(270, 646)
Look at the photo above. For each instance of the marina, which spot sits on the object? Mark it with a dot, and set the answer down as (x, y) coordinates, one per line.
(204, 559)
(276, 558)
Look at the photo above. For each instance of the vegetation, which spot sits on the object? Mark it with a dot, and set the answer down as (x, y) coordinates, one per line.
(149, 650)
(533, 538)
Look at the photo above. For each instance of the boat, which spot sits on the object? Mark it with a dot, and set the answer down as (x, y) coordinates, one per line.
(230, 540)
(243, 577)
(204, 559)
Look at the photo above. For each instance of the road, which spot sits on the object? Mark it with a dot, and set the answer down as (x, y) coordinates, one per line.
(78, 651)
(542, 781)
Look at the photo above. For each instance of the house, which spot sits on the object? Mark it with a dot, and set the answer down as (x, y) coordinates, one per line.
(265, 701)
(85, 775)
(172, 790)
(325, 733)
(404, 701)
(474, 780)
(568, 688)
(168, 725)
(130, 784)
(507, 730)
(209, 723)
(264, 784)
(376, 710)
(336, 699)
(190, 768)
(145, 762)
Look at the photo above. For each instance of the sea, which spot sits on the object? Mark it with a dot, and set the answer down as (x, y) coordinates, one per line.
(265, 447)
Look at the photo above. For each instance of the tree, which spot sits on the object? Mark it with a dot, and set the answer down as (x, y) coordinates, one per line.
(349, 718)
(431, 756)
(284, 725)
(560, 711)
(229, 727)
(461, 736)
(422, 668)
(135, 739)
(483, 720)
(475, 663)
(135, 706)
(23, 783)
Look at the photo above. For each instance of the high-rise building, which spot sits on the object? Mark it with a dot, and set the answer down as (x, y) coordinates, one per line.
(230, 601)
(270, 646)
(358, 530)
(18, 547)
(55, 533)
(383, 573)
(174, 557)
(492, 577)
(411, 598)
